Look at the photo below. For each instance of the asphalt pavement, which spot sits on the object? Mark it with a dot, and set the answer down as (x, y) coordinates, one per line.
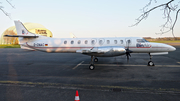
(39, 76)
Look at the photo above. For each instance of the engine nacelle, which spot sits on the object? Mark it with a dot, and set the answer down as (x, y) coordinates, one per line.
(107, 51)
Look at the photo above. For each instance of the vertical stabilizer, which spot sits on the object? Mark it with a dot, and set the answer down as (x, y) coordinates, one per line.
(22, 31)
(23, 34)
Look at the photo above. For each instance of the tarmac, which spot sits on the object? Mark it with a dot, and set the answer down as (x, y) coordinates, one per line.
(39, 76)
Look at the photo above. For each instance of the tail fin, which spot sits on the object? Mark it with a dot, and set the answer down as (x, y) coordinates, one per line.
(23, 34)
(21, 29)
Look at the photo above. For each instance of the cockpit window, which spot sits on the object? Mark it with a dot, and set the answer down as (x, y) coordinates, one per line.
(145, 40)
(141, 40)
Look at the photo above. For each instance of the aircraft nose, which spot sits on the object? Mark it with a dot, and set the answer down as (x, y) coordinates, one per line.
(171, 48)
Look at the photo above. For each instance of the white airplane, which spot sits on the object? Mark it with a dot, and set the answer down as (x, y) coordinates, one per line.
(95, 47)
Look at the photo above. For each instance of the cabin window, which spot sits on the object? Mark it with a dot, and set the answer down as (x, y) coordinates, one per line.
(86, 42)
(100, 42)
(121, 41)
(108, 42)
(65, 42)
(79, 42)
(115, 41)
(129, 41)
(92, 42)
(72, 42)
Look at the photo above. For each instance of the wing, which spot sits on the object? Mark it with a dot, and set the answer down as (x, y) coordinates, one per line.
(107, 51)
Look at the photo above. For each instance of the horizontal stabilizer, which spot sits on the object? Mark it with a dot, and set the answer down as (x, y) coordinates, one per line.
(24, 36)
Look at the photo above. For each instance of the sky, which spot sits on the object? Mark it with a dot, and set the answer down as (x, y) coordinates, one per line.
(87, 18)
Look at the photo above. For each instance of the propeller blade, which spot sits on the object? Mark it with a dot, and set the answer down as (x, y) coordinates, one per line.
(128, 51)
(127, 57)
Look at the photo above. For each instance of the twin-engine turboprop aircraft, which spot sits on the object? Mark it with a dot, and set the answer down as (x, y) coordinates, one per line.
(95, 47)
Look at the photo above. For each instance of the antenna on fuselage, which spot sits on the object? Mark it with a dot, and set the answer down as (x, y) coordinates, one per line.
(72, 35)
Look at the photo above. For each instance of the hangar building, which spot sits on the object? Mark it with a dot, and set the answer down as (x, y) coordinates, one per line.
(31, 27)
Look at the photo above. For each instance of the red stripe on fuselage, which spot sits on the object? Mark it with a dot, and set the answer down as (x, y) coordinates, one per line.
(46, 47)
(57, 47)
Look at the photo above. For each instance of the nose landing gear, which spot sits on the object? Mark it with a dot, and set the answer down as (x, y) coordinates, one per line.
(95, 59)
(91, 66)
(150, 63)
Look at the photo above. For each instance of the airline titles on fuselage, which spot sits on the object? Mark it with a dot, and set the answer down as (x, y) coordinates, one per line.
(143, 45)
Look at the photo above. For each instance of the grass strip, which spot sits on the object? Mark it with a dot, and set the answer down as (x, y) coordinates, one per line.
(176, 41)
(9, 46)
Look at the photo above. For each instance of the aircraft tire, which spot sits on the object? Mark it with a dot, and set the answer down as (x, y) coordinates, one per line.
(95, 59)
(150, 63)
(91, 66)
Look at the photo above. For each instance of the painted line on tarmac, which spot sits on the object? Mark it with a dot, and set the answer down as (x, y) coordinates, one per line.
(178, 62)
(134, 65)
(82, 86)
(78, 65)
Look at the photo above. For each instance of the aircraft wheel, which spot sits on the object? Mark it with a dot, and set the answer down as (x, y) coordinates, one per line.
(150, 63)
(91, 67)
(95, 59)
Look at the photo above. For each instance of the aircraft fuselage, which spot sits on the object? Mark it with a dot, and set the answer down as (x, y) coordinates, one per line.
(135, 44)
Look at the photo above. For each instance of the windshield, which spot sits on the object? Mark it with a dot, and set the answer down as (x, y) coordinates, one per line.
(142, 40)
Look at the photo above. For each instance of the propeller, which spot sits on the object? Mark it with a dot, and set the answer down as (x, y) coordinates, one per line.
(128, 53)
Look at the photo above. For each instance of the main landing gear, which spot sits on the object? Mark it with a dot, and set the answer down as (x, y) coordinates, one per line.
(150, 63)
(93, 59)
(91, 66)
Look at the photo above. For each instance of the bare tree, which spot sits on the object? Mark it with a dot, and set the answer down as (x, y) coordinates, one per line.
(2, 8)
(167, 9)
